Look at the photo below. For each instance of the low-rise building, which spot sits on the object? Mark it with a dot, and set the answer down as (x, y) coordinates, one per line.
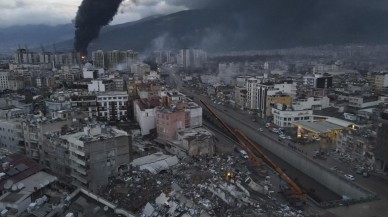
(283, 116)
(314, 103)
(360, 102)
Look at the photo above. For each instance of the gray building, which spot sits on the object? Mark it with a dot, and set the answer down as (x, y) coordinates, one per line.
(96, 154)
(381, 148)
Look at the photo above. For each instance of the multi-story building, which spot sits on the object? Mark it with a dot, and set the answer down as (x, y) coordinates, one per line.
(11, 135)
(318, 81)
(16, 83)
(57, 102)
(140, 69)
(98, 58)
(314, 103)
(144, 111)
(360, 102)
(86, 103)
(169, 120)
(4, 80)
(240, 96)
(381, 146)
(275, 99)
(191, 58)
(283, 116)
(269, 89)
(97, 153)
(378, 80)
(101, 85)
(111, 59)
(112, 106)
(252, 93)
(33, 135)
(118, 83)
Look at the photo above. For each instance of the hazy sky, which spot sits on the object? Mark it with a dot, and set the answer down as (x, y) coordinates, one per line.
(52, 12)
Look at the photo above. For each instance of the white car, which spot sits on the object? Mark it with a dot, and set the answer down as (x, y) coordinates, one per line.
(282, 136)
(349, 177)
(260, 130)
(275, 130)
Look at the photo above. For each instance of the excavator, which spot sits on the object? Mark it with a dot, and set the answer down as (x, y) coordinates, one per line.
(291, 190)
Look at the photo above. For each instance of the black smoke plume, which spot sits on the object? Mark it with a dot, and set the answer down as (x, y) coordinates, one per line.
(92, 15)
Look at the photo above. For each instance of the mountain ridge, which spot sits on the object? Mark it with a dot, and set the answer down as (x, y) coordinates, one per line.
(250, 25)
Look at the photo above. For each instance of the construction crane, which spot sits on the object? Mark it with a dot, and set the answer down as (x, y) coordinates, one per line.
(295, 193)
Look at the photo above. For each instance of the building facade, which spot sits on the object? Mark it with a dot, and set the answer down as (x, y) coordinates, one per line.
(97, 153)
(112, 106)
(283, 117)
(381, 147)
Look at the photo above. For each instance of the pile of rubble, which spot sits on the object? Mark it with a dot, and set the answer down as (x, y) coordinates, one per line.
(197, 187)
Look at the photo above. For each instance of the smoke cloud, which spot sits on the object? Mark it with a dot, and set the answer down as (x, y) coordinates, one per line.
(92, 15)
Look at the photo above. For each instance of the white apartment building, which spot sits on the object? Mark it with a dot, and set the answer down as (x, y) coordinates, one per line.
(284, 118)
(145, 114)
(257, 92)
(112, 105)
(4, 80)
(195, 114)
(96, 86)
(252, 93)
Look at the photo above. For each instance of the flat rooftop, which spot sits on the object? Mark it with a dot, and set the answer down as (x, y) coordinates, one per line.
(318, 126)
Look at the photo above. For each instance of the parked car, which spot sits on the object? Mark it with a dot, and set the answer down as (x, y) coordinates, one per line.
(349, 177)
(260, 130)
(267, 125)
(275, 130)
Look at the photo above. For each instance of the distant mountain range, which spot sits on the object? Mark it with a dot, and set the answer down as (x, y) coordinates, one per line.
(232, 25)
(33, 36)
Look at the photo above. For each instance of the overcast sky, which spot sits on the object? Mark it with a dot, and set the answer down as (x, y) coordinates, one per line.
(53, 12)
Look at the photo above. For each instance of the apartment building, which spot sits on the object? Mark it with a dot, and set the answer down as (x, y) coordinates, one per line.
(97, 153)
(112, 106)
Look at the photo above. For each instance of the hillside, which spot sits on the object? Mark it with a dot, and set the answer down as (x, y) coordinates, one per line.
(252, 24)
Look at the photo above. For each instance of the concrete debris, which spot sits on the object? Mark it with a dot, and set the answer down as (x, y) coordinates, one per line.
(197, 187)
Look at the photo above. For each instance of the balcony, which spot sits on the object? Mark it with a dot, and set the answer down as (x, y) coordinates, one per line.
(80, 178)
(77, 151)
(77, 160)
(79, 169)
